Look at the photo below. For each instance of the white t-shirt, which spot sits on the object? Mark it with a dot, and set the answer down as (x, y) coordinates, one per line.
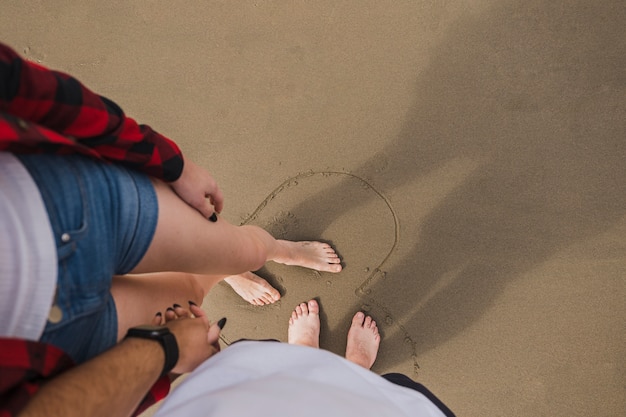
(28, 264)
(252, 378)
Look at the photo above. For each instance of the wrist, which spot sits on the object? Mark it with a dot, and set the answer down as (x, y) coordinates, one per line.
(150, 352)
(162, 336)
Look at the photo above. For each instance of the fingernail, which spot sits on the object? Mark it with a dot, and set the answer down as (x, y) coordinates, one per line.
(170, 309)
(221, 323)
(191, 303)
(158, 314)
(213, 217)
(176, 306)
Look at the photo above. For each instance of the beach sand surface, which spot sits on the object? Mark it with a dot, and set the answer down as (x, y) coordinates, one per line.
(465, 158)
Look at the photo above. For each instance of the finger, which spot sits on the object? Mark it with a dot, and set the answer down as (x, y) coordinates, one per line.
(192, 304)
(170, 314)
(157, 320)
(217, 199)
(196, 310)
(200, 314)
(180, 312)
(213, 336)
(204, 206)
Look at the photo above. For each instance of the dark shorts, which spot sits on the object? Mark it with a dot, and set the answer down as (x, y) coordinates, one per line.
(103, 218)
(405, 381)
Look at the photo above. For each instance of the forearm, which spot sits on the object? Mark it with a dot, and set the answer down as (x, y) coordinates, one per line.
(112, 384)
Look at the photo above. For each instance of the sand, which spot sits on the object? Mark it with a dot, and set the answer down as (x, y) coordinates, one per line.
(465, 158)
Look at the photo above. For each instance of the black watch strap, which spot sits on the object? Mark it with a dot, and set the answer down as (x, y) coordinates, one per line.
(162, 335)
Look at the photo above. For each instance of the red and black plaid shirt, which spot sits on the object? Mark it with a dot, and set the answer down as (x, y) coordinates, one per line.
(26, 366)
(48, 111)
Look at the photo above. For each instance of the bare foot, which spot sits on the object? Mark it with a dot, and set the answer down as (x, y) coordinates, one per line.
(314, 255)
(363, 341)
(304, 325)
(253, 288)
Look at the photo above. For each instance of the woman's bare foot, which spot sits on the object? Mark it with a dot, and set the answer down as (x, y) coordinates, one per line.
(304, 325)
(363, 341)
(253, 288)
(314, 255)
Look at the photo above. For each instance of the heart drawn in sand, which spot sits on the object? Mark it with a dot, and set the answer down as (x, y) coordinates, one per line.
(358, 221)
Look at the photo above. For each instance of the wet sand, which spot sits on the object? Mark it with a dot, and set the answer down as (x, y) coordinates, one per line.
(466, 159)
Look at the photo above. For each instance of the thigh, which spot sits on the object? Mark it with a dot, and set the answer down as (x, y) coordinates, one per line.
(102, 218)
(139, 297)
(106, 211)
(86, 335)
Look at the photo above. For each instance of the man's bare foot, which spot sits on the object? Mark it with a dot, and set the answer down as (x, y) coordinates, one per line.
(304, 325)
(363, 341)
(253, 288)
(314, 255)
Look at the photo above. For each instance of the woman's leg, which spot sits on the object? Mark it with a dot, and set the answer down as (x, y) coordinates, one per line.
(185, 241)
(138, 298)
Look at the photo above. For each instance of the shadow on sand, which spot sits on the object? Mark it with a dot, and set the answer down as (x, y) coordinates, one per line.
(533, 94)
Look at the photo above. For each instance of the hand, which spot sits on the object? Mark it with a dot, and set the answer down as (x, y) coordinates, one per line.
(195, 185)
(197, 339)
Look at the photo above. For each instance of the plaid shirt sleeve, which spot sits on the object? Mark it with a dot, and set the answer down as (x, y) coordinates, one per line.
(25, 366)
(42, 110)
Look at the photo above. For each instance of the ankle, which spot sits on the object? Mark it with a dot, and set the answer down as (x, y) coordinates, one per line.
(283, 252)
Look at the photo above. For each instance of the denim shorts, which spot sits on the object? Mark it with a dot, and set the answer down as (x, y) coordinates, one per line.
(103, 218)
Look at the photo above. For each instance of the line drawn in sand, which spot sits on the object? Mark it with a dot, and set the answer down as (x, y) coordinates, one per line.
(362, 291)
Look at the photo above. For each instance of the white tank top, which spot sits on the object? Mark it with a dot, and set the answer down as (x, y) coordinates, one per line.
(28, 259)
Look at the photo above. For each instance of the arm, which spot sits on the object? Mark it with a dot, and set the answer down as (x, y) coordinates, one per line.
(112, 384)
(61, 105)
(115, 382)
(49, 111)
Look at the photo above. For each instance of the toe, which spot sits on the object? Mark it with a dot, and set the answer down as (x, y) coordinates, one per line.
(274, 295)
(305, 309)
(357, 320)
(314, 307)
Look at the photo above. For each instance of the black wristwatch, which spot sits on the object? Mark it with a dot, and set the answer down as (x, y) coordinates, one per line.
(162, 335)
